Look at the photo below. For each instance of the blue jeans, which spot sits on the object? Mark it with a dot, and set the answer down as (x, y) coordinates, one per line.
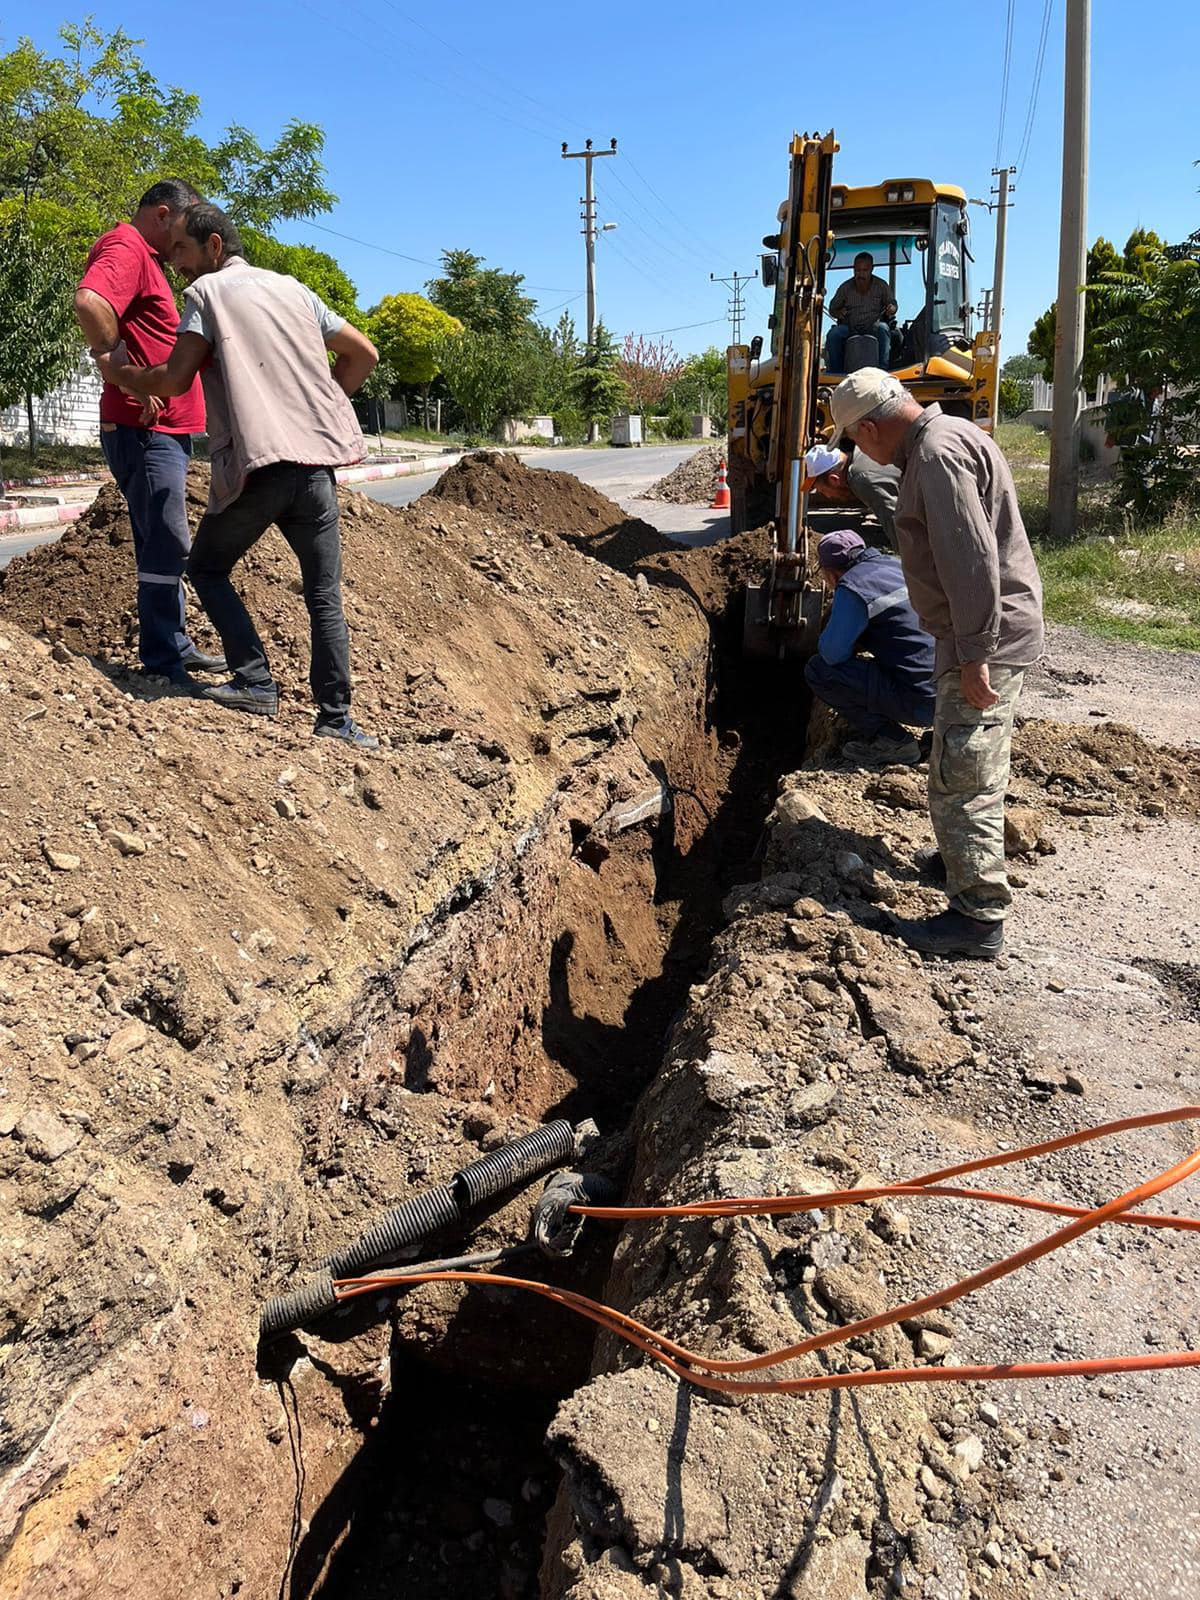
(835, 345)
(302, 502)
(871, 700)
(151, 472)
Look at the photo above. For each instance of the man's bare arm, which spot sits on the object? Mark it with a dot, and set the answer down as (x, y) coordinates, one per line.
(97, 319)
(173, 376)
(357, 357)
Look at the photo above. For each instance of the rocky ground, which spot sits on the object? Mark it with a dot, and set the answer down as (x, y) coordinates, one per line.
(817, 1053)
(693, 482)
(254, 989)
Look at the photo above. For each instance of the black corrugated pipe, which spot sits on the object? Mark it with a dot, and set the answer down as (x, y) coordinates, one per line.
(422, 1215)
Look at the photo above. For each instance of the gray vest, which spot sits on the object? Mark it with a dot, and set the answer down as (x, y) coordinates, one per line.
(268, 388)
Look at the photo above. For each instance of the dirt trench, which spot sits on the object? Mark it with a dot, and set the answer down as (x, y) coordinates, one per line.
(253, 991)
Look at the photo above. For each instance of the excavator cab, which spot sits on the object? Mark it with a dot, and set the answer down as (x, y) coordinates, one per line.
(916, 233)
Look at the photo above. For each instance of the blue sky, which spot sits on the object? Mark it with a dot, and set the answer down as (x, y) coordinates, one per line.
(443, 128)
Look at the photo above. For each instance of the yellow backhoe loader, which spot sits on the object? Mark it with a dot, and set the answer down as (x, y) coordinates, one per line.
(916, 234)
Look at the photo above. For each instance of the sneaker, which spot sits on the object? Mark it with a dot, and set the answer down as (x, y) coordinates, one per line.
(196, 661)
(348, 730)
(952, 934)
(882, 751)
(260, 700)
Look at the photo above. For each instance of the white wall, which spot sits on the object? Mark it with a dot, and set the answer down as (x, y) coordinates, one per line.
(69, 415)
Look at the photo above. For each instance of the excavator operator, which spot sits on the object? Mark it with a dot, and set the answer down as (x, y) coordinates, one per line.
(862, 304)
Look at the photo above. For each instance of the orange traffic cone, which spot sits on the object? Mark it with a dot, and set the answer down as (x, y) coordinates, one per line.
(721, 500)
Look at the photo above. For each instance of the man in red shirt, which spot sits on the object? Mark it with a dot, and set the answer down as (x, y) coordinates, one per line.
(124, 296)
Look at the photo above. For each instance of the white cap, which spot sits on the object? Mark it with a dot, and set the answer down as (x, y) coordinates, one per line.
(820, 459)
(860, 393)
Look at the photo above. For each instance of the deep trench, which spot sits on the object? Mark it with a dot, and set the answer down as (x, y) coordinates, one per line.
(449, 1492)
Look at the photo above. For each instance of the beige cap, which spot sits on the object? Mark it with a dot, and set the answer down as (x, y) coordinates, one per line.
(860, 393)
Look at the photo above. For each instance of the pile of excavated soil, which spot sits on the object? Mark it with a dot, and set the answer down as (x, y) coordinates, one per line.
(254, 987)
(550, 501)
(1105, 769)
(693, 482)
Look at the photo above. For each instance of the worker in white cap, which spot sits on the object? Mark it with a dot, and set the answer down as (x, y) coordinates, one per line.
(974, 584)
(845, 478)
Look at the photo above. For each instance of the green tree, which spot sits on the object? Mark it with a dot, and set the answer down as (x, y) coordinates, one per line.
(1016, 384)
(315, 268)
(39, 338)
(410, 332)
(596, 386)
(702, 388)
(1148, 331)
(490, 377)
(1102, 257)
(87, 131)
(485, 300)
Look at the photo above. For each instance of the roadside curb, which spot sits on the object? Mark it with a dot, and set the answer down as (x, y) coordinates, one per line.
(41, 516)
(49, 516)
(393, 469)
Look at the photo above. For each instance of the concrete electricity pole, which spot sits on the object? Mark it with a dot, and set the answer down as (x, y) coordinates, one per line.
(997, 297)
(588, 201)
(736, 284)
(1072, 274)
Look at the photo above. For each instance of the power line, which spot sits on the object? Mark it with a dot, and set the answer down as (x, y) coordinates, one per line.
(737, 284)
(706, 247)
(1008, 44)
(304, 222)
(631, 221)
(682, 327)
(1031, 113)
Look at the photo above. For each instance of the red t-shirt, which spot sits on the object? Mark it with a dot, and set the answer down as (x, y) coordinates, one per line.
(127, 273)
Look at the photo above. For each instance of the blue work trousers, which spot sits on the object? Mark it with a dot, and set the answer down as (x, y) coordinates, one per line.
(871, 700)
(835, 345)
(151, 472)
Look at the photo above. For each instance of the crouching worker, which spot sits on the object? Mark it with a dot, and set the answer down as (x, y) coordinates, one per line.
(279, 422)
(883, 695)
(839, 478)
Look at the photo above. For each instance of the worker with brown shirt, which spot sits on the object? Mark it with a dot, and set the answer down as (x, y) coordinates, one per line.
(974, 584)
(279, 422)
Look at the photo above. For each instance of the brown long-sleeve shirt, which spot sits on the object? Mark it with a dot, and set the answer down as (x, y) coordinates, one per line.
(967, 561)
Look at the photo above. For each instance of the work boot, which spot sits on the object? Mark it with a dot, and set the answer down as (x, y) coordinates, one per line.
(882, 751)
(952, 934)
(345, 728)
(196, 661)
(930, 863)
(261, 700)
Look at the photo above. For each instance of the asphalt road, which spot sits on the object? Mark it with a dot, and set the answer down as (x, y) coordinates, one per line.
(620, 474)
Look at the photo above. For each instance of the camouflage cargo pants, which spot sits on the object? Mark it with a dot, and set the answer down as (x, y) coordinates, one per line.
(968, 774)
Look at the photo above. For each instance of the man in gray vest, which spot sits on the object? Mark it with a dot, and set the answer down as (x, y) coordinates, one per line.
(975, 586)
(279, 422)
(884, 694)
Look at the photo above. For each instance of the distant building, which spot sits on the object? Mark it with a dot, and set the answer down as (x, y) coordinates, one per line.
(70, 414)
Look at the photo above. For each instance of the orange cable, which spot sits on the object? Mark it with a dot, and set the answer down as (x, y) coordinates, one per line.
(705, 1371)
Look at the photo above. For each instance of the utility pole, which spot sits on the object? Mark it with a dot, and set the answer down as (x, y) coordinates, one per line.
(1072, 274)
(736, 284)
(588, 215)
(996, 306)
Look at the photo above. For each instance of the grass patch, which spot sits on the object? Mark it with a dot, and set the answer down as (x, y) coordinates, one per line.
(51, 461)
(1122, 581)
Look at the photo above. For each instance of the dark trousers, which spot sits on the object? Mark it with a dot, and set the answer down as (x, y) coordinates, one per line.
(151, 472)
(302, 502)
(871, 700)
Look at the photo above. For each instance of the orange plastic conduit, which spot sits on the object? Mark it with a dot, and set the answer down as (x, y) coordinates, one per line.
(708, 1372)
